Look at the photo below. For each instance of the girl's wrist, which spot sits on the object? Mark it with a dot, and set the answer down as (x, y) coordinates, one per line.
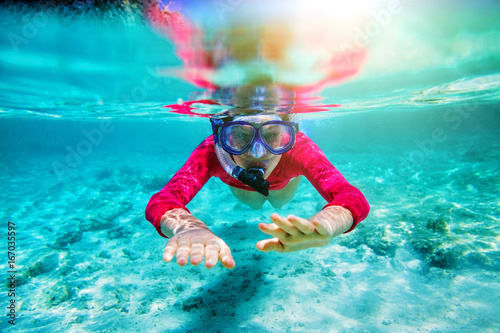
(339, 218)
(178, 220)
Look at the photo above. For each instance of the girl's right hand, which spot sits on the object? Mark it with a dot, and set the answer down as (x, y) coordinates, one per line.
(198, 243)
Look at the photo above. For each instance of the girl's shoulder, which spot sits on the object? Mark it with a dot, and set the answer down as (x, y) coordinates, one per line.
(303, 144)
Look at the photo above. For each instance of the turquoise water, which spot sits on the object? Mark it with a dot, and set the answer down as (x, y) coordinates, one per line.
(85, 141)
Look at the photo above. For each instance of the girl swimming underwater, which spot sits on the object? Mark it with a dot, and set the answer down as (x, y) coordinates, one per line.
(262, 158)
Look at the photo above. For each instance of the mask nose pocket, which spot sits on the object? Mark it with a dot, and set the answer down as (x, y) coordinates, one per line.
(257, 150)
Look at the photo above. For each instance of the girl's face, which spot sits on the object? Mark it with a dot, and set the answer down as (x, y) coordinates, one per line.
(257, 155)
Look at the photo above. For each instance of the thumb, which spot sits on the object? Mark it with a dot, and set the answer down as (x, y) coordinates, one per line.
(272, 244)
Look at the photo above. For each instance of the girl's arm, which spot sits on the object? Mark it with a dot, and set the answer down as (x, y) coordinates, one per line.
(188, 236)
(328, 181)
(345, 209)
(184, 185)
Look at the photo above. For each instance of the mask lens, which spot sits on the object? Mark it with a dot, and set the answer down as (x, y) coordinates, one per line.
(277, 136)
(237, 137)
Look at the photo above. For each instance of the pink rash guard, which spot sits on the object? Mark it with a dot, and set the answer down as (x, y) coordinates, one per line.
(305, 158)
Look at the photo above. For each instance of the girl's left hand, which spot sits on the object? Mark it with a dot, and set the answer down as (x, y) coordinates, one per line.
(294, 234)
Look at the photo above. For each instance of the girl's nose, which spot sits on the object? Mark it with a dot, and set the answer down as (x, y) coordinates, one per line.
(257, 150)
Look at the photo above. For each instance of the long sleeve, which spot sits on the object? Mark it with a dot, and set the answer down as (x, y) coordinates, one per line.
(185, 184)
(327, 180)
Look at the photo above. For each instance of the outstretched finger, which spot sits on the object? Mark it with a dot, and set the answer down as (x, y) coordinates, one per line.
(170, 249)
(225, 257)
(305, 226)
(212, 248)
(273, 230)
(183, 250)
(284, 224)
(196, 252)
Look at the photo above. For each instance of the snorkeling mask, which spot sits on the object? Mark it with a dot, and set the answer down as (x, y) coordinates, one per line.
(236, 137)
